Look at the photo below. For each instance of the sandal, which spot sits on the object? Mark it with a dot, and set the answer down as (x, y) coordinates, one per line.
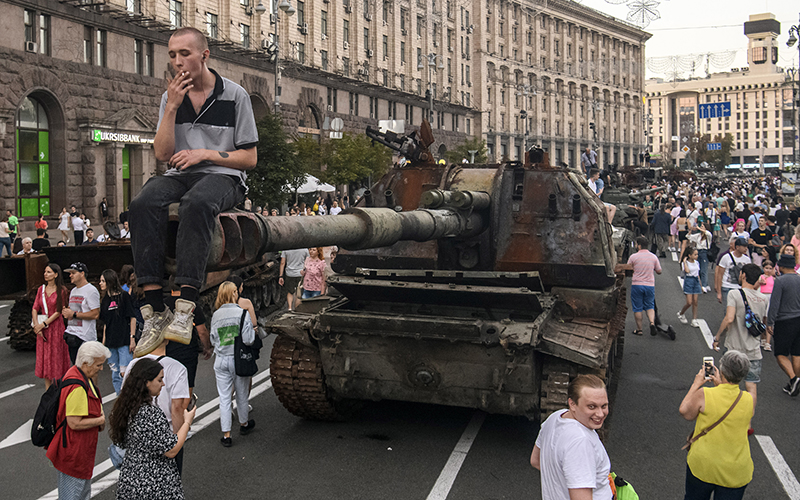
(637, 332)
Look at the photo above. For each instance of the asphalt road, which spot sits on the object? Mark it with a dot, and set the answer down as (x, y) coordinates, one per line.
(409, 451)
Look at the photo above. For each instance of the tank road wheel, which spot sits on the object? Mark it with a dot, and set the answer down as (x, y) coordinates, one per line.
(299, 383)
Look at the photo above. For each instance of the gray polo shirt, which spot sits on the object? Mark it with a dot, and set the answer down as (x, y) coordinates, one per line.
(225, 123)
(295, 261)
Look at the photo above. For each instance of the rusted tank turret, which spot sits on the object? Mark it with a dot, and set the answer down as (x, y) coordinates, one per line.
(485, 286)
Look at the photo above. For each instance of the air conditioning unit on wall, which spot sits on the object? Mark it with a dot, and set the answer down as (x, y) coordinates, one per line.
(31, 47)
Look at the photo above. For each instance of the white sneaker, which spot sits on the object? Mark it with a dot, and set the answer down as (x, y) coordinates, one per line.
(682, 318)
(695, 323)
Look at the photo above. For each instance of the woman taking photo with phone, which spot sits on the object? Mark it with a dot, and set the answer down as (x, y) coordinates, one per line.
(719, 462)
(141, 428)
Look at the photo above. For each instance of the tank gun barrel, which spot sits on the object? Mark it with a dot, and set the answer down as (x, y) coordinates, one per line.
(242, 238)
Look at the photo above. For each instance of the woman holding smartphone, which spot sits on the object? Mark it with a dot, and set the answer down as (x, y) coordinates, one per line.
(719, 462)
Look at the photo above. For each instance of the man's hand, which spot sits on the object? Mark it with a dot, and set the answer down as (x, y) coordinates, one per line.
(68, 313)
(719, 297)
(188, 157)
(177, 88)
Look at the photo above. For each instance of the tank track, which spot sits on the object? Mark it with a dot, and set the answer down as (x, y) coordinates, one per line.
(299, 383)
(20, 333)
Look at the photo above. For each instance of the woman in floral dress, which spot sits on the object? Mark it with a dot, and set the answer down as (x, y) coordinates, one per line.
(141, 428)
(52, 353)
(314, 274)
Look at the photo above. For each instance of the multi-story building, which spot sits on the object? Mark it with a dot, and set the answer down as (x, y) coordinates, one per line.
(760, 96)
(81, 80)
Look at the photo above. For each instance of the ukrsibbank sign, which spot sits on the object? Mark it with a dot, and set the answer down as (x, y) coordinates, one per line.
(103, 136)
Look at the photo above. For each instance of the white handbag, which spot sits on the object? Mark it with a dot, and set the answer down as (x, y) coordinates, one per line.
(42, 317)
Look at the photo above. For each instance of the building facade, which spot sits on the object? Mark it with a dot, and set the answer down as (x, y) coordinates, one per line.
(761, 118)
(81, 80)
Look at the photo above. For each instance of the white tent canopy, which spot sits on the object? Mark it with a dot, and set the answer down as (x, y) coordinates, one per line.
(312, 185)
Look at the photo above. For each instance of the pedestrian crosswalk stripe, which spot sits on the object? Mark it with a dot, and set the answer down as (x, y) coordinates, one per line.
(706, 331)
(15, 390)
(781, 468)
(674, 256)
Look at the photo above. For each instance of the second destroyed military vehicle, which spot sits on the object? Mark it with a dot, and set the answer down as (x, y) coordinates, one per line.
(483, 286)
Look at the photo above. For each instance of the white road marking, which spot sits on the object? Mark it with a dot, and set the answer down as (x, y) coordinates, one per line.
(781, 468)
(448, 475)
(674, 256)
(111, 479)
(21, 435)
(110, 397)
(680, 280)
(16, 390)
(4, 305)
(3, 339)
(706, 331)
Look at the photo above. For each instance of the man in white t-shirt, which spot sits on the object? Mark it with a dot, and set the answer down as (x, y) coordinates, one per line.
(292, 264)
(568, 452)
(731, 264)
(174, 396)
(335, 209)
(83, 310)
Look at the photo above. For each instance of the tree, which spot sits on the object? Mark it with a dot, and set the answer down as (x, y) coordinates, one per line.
(353, 158)
(457, 154)
(718, 158)
(279, 170)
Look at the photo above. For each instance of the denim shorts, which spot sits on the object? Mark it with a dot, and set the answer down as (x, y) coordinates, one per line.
(691, 285)
(643, 298)
(754, 375)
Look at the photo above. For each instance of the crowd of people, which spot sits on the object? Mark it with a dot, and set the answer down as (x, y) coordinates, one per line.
(738, 237)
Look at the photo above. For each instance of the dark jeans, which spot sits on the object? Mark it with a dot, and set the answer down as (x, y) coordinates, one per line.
(78, 236)
(5, 243)
(702, 258)
(699, 490)
(202, 198)
(73, 344)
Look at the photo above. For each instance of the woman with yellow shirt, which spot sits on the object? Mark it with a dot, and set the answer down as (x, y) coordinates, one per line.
(719, 462)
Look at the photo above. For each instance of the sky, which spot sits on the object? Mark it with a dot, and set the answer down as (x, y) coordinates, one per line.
(717, 26)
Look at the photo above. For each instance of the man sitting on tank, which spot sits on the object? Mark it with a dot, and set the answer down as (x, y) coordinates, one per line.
(207, 135)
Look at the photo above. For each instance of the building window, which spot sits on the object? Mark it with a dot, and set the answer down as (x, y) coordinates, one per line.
(30, 30)
(366, 38)
(324, 56)
(87, 44)
(244, 31)
(134, 7)
(212, 25)
(385, 46)
(100, 44)
(138, 56)
(301, 53)
(346, 31)
(324, 23)
(33, 159)
(175, 14)
(353, 98)
(402, 52)
(346, 66)
(301, 13)
(332, 104)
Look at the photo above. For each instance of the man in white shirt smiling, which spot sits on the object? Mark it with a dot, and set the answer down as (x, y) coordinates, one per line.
(573, 463)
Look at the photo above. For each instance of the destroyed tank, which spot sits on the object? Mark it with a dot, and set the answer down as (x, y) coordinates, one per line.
(482, 286)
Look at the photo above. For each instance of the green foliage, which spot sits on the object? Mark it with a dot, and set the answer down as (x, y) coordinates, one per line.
(278, 165)
(457, 154)
(352, 158)
(719, 158)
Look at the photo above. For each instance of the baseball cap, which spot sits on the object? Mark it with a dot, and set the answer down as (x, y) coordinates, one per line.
(741, 242)
(78, 267)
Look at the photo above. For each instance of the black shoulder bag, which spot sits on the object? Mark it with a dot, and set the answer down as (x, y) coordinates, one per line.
(245, 356)
(753, 323)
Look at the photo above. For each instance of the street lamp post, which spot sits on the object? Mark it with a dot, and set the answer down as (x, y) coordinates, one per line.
(794, 34)
(432, 67)
(286, 7)
(525, 92)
